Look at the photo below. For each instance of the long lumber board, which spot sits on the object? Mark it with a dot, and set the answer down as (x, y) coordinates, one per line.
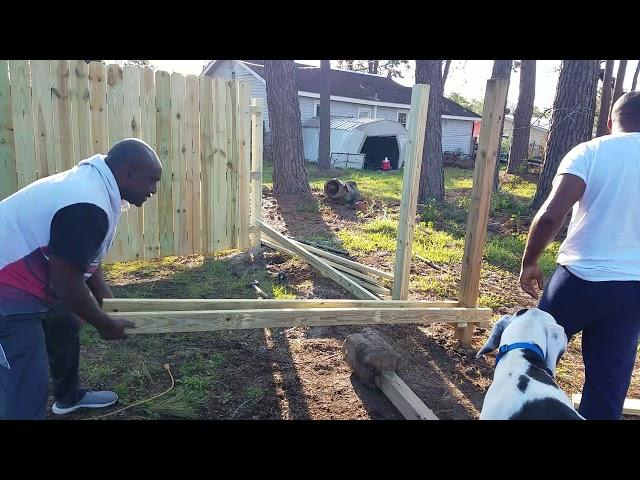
(403, 398)
(210, 320)
(187, 304)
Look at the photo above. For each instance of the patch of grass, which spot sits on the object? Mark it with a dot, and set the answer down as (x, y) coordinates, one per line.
(491, 301)
(89, 336)
(282, 293)
(254, 393)
(457, 178)
(506, 251)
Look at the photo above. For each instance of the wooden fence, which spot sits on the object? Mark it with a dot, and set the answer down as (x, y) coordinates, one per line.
(55, 113)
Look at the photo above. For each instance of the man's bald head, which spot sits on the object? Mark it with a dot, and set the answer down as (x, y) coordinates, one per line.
(137, 169)
(625, 114)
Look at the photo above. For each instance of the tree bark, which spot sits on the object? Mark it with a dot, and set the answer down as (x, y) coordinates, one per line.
(501, 69)
(572, 118)
(289, 174)
(634, 83)
(522, 117)
(605, 101)
(324, 146)
(432, 173)
(445, 74)
(617, 89)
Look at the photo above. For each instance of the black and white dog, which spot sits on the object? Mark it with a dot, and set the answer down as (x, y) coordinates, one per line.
(530, 346)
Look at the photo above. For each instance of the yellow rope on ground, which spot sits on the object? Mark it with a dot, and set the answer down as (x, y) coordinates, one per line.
(168, 369)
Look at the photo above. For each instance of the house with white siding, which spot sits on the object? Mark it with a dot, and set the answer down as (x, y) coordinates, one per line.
(353, 95)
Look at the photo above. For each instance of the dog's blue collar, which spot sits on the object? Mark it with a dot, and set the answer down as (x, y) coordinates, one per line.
(523, 345)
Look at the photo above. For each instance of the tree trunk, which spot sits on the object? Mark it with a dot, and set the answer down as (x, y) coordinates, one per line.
(522, 117)
(605, 101)
(445, 74)
(373, 66)
(289, 174)
(432, 173)
(324, 146)
(617, 90)
(501, 69)
(634, 83)
(572, 118)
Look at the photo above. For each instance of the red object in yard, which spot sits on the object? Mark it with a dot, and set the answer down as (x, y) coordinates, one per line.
(386, 164)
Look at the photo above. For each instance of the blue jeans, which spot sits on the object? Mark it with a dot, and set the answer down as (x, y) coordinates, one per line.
(34, 345)
(608, 315)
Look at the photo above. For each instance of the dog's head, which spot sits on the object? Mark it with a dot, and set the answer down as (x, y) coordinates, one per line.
(529, 325)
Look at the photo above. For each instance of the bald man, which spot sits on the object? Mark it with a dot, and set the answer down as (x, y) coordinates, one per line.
(54, 234)
(596, 287)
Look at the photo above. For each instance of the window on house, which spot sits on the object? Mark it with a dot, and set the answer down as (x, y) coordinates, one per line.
(316, 108)
(402, 118)
(364, 113)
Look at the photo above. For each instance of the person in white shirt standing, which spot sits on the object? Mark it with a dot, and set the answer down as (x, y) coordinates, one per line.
(596, 287)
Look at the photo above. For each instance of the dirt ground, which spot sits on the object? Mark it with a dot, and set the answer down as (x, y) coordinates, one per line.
(300, 373)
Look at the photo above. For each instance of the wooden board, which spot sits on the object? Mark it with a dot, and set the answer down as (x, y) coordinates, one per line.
(192, 131)
(188, 304)
(134, 249)
(410, 183)
(21, 110)
(256, 169)
(351, 273)
(8, 173)
(61, 98)
(244, 163)
(42, 117)
(80, 111)
(208, 320)
(207, 149)
(97, 106)
(403, 398)
(164, 148)
(115, 133)
(151, 236)
(318, 264)
(221, 174)
(343, 261)
(631, 405)
(179, 159)
(232, 162)
(488, 145)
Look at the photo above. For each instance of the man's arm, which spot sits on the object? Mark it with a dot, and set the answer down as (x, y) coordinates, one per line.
(567, 190)
(68, 283)
(98, 286)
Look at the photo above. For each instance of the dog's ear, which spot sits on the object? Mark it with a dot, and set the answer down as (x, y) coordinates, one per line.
(556, 345)
(494, 338)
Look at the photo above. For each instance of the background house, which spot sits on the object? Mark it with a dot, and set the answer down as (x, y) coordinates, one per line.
(538, 135)
(353, 95)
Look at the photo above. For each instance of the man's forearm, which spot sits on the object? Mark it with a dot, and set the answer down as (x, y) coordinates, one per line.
(69, 285)
(99, 286)
(543, 230)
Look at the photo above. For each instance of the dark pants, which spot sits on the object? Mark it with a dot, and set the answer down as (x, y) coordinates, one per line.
(36, 345)
(608, 315)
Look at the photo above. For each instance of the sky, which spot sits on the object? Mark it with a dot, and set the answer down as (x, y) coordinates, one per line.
(466, 77)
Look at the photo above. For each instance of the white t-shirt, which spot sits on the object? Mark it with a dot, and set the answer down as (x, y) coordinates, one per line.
(603, 239)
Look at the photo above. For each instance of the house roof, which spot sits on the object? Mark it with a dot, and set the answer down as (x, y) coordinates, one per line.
(342, 123)
(358, 85)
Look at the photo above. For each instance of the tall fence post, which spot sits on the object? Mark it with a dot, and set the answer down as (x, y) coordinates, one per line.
(492, 115)
(256, 172)
(410, 183)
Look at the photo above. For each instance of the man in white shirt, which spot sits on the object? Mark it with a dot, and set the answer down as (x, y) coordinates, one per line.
(596, 287)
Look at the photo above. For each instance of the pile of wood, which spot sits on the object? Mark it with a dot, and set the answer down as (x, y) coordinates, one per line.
(363, 281)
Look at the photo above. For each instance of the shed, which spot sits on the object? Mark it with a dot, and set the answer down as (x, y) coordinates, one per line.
(367, 141)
